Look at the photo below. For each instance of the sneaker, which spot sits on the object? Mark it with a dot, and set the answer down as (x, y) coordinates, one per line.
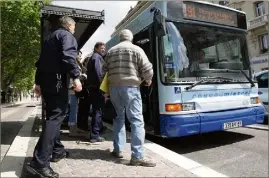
(42, 172)
(142, 162)
(117, 154)
(99, 139)
(80, 130)
(74, 132)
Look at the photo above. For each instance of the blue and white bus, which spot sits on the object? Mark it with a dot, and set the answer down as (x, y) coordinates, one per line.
(202, 78)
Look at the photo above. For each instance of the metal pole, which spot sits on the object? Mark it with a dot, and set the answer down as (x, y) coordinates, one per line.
(43, 114)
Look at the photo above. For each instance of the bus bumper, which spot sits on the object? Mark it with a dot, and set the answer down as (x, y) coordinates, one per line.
(184, 125)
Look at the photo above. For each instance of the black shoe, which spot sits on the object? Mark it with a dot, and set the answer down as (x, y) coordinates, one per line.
(57, 158)
(46, 172)
(104, 129)
(99, 139)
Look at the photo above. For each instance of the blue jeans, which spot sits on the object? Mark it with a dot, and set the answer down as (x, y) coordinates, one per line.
(128, 99)
(73, 100)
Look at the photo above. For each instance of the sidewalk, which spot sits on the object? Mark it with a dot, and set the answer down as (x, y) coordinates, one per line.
(23, 101)
(94, 160)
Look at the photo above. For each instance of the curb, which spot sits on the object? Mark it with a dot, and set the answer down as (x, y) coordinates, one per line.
(7, 105)
(257, 127)
(15, 157)
(181, 161)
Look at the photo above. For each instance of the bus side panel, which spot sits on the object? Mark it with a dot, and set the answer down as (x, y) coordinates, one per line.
(179, 125)
(214, 121)
(260, 114)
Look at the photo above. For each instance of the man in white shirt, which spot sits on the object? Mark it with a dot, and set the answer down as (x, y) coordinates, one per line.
(197, 58)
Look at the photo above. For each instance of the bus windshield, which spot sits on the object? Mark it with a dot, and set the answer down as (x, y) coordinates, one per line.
(191, 51)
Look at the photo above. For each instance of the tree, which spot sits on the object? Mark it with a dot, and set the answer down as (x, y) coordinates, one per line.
(20, 43)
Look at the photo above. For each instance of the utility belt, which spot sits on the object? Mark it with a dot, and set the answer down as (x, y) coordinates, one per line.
(55, 82)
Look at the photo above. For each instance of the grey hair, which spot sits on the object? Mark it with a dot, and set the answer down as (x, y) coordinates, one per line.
(126, 35)
(65, 21)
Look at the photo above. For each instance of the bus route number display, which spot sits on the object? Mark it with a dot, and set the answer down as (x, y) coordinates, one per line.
(209, 13)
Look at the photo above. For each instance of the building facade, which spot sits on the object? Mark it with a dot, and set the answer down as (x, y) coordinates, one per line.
(258, 29)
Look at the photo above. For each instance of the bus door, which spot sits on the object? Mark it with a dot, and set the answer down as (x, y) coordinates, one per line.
(143, 40)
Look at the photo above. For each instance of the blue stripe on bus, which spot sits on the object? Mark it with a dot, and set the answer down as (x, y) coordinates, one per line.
(184, 125)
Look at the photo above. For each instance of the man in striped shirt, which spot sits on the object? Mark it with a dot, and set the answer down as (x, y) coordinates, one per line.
(128, 66)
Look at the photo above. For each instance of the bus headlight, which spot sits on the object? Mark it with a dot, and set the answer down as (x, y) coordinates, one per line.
(176, 107)
(188, 106)
(254, 100)
(173, 107)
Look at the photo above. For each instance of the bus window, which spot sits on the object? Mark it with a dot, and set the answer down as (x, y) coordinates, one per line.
(209, 51)
(169, 68)
(143, 41)
(175, 59)
(263, 81)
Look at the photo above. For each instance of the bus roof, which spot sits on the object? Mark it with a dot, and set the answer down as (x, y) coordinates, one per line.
(140, 7)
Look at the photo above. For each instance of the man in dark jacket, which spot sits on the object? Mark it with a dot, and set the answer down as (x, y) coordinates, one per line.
(57, 63)
(94, 69)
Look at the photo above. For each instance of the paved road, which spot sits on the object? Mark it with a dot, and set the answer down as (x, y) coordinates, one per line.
(242, 152)
(11, 123)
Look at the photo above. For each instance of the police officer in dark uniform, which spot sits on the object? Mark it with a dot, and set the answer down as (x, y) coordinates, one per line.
(94, 69)
(57, 63)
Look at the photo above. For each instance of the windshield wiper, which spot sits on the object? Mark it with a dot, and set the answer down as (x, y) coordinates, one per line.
(249, 79)
(207, 79)
(236, 71)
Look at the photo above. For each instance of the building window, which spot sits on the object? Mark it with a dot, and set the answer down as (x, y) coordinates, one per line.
(263, 40)
(224, 3)
(260, 9)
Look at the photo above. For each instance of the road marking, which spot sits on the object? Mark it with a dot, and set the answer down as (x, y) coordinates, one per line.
(13, 161)
(257, 126)
(181, 161)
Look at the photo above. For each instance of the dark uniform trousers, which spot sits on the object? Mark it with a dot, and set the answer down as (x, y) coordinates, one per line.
(97, 101)
(49, 142)
(83, 110)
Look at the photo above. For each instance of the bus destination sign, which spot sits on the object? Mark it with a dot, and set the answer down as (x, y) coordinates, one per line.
(209, 13)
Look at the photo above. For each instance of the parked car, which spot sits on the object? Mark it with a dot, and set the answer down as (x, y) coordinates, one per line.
(262, 79)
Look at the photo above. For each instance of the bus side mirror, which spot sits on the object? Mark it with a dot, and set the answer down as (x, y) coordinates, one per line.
(159, 24)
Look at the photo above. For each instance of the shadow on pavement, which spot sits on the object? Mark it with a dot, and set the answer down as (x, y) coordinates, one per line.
(36, 131)
(108, 135)
(265, 121)
(9, 131)
(77, 154)
(95, 154)
(194, 143)
(9, 168)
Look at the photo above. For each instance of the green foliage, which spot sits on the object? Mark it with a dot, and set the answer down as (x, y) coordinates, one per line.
(20, 42)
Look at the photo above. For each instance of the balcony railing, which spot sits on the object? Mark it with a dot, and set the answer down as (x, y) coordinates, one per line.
(257, 22)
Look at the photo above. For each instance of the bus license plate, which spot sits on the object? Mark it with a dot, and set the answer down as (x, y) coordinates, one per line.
(230, 125)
